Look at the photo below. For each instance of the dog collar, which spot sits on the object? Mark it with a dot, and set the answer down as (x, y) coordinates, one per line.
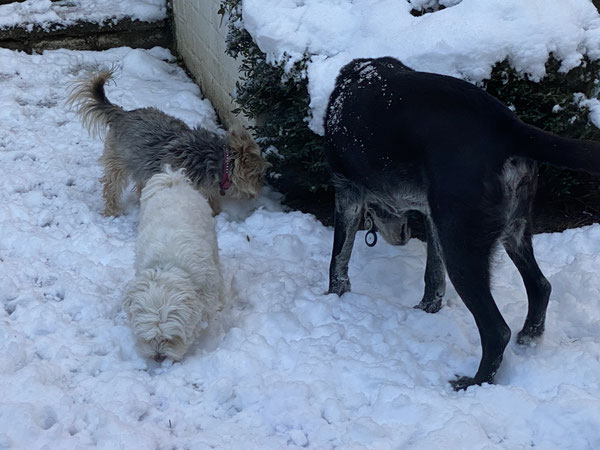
(225, 180)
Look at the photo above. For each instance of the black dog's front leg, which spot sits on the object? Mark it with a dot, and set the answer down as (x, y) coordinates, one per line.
(345, 224)
(435, 272)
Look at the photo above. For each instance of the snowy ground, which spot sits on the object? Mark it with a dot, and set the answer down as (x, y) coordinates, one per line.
(464, 40)
(285, 365)
(66, 12)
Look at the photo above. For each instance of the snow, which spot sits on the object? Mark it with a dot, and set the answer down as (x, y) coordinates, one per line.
(464, 40)
(47, 13)
(284, 365)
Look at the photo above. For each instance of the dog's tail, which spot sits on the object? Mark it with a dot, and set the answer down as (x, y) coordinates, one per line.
(168, 178)
(576, 154)
(89, 99)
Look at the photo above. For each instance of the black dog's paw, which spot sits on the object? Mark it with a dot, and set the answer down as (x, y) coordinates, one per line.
(462, 383)
(429, 306)
(339, 287)
(525, 339)
(528, 339)
(529, 334)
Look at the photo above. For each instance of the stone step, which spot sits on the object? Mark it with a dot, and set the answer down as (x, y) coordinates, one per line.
(89, 36)
(82, 34)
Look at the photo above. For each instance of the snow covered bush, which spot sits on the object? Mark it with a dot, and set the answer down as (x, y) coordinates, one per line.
(553, 104)
(277, 97)
(275, 92)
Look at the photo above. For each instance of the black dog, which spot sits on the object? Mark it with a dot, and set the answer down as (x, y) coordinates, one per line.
(400, 140)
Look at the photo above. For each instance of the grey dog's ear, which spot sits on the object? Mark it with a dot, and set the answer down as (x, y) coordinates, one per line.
(239, 140)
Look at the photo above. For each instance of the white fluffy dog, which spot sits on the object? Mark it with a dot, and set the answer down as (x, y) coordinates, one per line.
(178, 283)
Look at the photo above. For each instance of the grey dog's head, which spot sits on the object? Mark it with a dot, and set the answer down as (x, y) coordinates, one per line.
(248, 164)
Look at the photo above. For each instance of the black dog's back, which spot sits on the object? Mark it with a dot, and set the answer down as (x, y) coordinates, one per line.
(380, 106)
(399, 140)
(384, 115)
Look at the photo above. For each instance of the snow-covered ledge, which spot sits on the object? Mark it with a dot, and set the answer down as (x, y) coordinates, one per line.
(201, 41)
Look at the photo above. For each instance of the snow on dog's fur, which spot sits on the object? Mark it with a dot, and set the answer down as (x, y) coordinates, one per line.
(178, 283)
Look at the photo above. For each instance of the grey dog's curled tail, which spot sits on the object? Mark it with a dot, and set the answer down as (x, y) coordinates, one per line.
(89, 99)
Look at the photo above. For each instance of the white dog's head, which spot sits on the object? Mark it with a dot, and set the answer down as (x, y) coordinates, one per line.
(162, 308)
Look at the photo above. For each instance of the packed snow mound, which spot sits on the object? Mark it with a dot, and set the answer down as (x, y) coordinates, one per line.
(46, 13)
(464, 40)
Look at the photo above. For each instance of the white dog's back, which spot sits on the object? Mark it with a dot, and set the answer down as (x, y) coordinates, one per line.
(176, 226)
(178, 281)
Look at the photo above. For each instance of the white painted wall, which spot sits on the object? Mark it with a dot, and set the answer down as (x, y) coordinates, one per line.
(201, 42)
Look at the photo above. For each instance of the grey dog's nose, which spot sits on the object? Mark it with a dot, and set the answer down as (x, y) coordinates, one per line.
(159, 357)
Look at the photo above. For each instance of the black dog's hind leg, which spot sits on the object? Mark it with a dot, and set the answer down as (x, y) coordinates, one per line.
(537, 286)
(467, 239)
(435, 272)
(346, 219)
(468, 269)
(517, 243)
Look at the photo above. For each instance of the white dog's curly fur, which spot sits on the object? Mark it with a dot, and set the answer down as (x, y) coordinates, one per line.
(178, 284)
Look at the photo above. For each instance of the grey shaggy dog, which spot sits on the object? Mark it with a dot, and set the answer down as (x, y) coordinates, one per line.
(140, 142)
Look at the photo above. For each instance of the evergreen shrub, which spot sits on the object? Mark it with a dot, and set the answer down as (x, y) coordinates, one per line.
(278, 100)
